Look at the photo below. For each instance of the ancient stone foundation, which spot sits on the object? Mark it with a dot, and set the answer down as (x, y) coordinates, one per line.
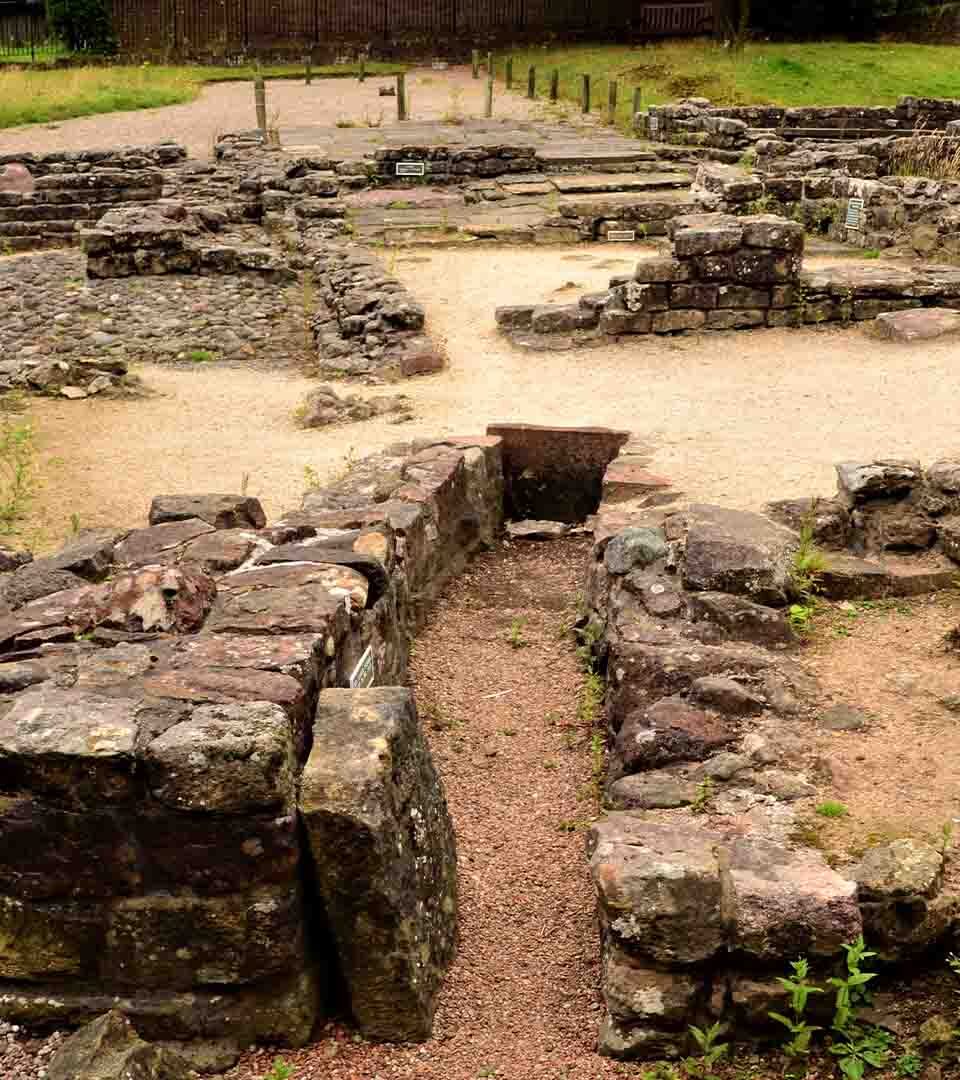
(705, 888)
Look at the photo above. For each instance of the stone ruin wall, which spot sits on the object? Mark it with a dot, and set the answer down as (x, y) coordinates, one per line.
(702, 906)
(192, 826)
(728, 272)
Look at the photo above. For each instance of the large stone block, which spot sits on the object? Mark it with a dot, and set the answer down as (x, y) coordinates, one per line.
(225, 758)
(160, 544)
(384, 856)
(48, 940)
(780, 902)
(220, 511)
(670, 730)
(737, 552)
(658, 887)
(178, 942)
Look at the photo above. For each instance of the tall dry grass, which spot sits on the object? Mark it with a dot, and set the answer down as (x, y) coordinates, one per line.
(931, 154)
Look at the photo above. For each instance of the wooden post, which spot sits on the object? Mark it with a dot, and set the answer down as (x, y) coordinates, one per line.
(362, 74)
(401, 97)
(585, 94)
(637, 100)
(475, 58)
(532, 83)
(554, 85)
(307, 69)
(508, 76)
(260, 98)
(612, 102)
(489, 63)
(488, 104)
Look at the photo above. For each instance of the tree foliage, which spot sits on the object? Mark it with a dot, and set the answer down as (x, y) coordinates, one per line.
(83, 25)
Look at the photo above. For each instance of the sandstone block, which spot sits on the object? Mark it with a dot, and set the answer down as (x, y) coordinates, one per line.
(384, 856)
(110, 1049)
(220, 511)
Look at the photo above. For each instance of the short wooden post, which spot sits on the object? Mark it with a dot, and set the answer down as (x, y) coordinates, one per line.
(401, 97)
(260, 98)
(489, 63)
(362, 74)
(475, 58)
(532, 83)
(637, 99)
(612, 102)
(508, 75)
(307, 69)
(554, 85)
(488, 103)
(585, 94)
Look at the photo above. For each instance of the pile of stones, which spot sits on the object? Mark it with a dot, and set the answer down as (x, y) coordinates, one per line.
(324, 406)
(704, 890)
(455, 165)
(369, 324)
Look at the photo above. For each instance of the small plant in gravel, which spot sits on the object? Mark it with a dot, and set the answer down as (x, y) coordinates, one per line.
(515, 634)
(200, 356)
(711, 1051)
(909, 1063)
(591, 699)
(17, 473)
(807, 565)
(280, 1071)
(832, 809)
(704, 793)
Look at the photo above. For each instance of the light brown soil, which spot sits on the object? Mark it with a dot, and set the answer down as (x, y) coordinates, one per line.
(521, 1001)
(900, 775)
(736, 418)
(224, 107)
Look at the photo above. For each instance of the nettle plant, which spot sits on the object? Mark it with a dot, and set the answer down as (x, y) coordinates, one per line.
(857, 1047)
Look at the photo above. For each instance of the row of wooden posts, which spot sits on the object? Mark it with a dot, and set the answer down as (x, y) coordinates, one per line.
(403, 111)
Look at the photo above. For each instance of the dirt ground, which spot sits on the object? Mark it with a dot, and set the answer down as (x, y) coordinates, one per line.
(736, 418)
(899, 776)
(223, 107)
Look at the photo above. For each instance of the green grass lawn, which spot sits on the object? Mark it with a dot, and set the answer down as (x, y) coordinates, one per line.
(822, 73)
(32, 96)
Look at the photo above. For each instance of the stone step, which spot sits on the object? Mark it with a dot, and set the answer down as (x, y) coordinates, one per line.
(592, 183)
(842, 134)
(590, 157)
(50, 212)
(36, 228)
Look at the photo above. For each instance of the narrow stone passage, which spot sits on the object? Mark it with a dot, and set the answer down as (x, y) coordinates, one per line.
(497, 684)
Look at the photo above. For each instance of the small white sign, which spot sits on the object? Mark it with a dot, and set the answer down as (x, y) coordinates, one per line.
(365, 671)
(653, 124)
(854, 213)
(411, 168)
(440, 65)
(621, 234)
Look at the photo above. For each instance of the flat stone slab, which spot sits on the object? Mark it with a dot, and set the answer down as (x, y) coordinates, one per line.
(603, 182)
(919, 324)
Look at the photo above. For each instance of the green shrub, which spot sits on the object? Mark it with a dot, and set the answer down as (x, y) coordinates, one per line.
(83, 25)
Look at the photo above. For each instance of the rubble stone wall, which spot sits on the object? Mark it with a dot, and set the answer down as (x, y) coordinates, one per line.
(45, 198)
(193, 827)
(705, 889)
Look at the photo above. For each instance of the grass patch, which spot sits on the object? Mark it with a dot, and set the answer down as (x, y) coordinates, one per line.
(40, 97)
(832, 809)
(817, 73)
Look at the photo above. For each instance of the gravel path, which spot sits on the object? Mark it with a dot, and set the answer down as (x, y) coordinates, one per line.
(521, 1001)
(223, 107)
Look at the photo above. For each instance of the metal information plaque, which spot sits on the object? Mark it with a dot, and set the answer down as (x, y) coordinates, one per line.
(621, 234)
(854, 213)
(365, 671)
(653, 124)
(411, 168)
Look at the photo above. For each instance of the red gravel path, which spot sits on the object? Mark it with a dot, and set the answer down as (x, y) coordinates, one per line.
(521, 1002)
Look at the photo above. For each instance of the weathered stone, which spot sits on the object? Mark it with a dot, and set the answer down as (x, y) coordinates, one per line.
(773, 232)
(110, 1049)
(899, 869)
(735, 618)
(627, 479)
(726, 696)
(944, 475)
(658, 887)
(735, 320)
(707, 240)
(220, 511)
(842, 718)
(778, 902)
(221, 551)
(373, 563)
(669, 731)
(224, 758)
(877, 479)
(160, 543)
(32, 582)
(626, 1042)
(557, 318)
(51, 940)
(514, 317)
(165, 942)
(634, 549)
(829, 519)
(384, 854)
(920, 324)
(151, 598)
(668, 322)
(738, 552)
(656, 790)
(88, 555)
(536, 530)
(13, 560)
(659, 270)
(635, 992)
(615, 321)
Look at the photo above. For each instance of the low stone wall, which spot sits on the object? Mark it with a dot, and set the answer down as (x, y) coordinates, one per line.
(737, 127)
(45, 198)
(728, 273)
(704, 891)
(370, 324)
(193, 829)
